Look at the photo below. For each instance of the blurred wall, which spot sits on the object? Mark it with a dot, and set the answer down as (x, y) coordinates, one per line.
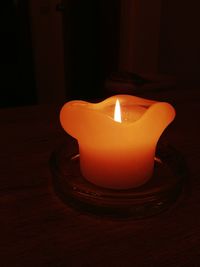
(180, 39)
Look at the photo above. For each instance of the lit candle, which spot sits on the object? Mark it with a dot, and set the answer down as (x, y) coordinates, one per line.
(117, 138)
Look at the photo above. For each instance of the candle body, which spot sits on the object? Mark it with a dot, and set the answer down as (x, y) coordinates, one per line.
(112, 154)
(114, 168)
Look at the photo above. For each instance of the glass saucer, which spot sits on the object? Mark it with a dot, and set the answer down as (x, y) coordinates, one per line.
(162, 190)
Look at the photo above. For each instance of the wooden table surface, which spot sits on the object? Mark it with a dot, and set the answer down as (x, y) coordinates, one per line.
(38, 229)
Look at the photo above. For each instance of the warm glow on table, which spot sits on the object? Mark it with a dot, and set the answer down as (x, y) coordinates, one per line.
(116, 148)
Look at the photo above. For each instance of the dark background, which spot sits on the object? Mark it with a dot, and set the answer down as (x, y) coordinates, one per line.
(91, 37)
(17, 80)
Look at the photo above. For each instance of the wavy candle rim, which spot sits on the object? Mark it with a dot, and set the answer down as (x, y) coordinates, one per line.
(98, 107)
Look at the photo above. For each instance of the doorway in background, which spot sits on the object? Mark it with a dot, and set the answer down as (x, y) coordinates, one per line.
(91, 43)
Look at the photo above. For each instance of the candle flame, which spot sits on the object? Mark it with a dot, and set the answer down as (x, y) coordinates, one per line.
(117, 112)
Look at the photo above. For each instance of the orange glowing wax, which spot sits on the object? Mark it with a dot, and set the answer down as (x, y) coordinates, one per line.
(117, 151)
